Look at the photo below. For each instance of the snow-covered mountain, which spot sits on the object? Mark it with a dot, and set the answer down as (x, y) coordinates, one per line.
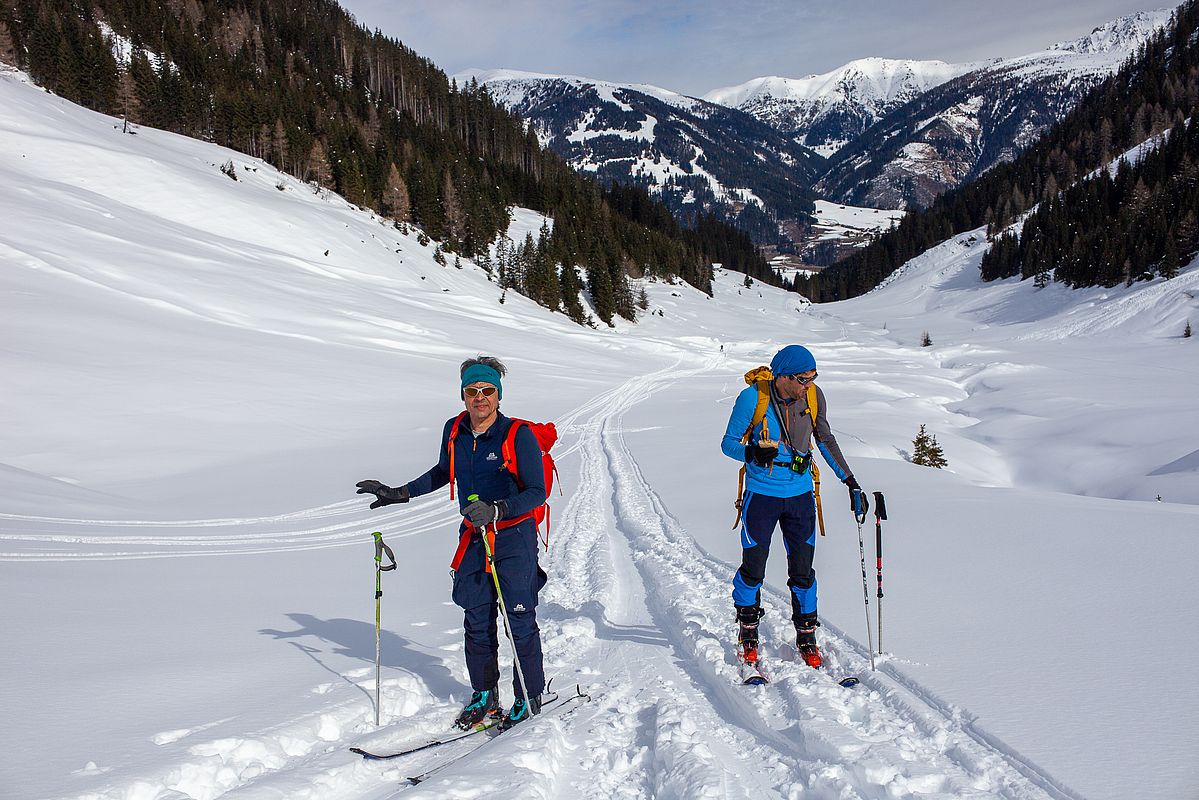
(826, 111)
(963, 127)
(694, 155)
(198, 369)
(898, 132)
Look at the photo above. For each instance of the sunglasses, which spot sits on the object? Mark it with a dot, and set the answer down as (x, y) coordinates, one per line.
(475, 391)
(802, 379)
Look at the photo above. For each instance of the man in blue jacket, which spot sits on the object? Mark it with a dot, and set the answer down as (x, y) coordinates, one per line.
(778, 492)
(489, 495)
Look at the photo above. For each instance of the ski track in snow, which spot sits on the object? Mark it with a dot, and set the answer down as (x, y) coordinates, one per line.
(640, 615)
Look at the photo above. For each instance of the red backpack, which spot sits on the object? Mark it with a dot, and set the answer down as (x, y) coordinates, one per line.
(546, 435)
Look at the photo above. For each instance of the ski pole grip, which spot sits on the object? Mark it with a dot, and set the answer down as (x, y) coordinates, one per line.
(381, 548)
(880, 507)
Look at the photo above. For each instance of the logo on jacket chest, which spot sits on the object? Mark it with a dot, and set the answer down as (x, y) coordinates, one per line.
(492, 456)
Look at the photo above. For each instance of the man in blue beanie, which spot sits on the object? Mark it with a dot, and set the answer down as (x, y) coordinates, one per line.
(489, 495)
(777, 452)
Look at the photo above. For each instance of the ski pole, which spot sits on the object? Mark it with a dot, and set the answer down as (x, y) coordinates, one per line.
(380, 548)
(859, 515)
(880, 514)
(499, 593)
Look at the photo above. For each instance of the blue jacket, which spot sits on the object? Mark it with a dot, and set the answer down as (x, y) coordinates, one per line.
(780, 481)
(479, 468)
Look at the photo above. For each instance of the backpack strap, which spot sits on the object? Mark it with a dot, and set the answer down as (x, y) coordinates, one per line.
(761, 378)
(450, 447)
(508, 452)
(813, 409)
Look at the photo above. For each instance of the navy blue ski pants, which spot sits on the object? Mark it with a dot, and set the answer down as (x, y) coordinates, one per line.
(521, 578)
(796, 517)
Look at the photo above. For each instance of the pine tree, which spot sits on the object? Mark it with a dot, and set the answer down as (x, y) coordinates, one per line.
(8, 49)
(395, 197)
(599, 283)
(570, 288)
(455, 220)
(925, 340)
(927, 452)
(1186, 332)
(318, 169)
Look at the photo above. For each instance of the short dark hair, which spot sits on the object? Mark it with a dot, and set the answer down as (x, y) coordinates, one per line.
(487, 361)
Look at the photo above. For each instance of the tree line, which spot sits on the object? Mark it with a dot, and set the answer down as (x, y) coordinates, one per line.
(301, 85)
(1137, 223)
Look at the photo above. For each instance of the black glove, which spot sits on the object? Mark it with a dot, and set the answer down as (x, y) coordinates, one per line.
(481, 513)
(859, 504)
(762, 456)
(385, 495)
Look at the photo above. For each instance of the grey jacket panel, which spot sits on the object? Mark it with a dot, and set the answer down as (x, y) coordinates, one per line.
(798, 423)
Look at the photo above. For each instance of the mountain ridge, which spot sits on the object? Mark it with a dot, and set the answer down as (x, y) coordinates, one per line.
(697, 157)
(962, 128)
(819, 106)
(825, 111)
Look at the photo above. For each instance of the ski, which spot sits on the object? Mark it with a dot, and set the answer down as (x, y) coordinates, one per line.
(751, 670)
(557, 706)
(849, 681)
(752, 675)
(482, 727)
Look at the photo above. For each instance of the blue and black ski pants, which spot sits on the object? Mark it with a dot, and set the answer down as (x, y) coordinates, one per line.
(796, 516)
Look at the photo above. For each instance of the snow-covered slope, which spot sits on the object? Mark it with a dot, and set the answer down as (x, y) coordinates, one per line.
(512, 87)
(197, 370)
(693, 155)
(1123, 34)
(961, 128)
(826, 111)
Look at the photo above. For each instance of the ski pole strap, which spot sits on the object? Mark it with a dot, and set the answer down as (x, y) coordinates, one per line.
(859, 506)
(381, 548)
(816, 494)
(880, 506)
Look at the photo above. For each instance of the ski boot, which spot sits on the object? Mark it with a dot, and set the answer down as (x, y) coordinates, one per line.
(483, 705)
(747, 634)
(805, 640)
(521, 711)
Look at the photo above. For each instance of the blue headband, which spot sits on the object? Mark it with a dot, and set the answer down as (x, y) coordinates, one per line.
(481, 373)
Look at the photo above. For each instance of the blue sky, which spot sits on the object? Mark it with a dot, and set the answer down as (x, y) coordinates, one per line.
(692, 47)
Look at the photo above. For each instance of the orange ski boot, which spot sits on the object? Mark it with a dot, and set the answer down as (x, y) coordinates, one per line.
(805, 640)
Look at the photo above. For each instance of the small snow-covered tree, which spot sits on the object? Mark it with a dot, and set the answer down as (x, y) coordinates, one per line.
(927, 452)
(1186, 332)
(925, 340)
